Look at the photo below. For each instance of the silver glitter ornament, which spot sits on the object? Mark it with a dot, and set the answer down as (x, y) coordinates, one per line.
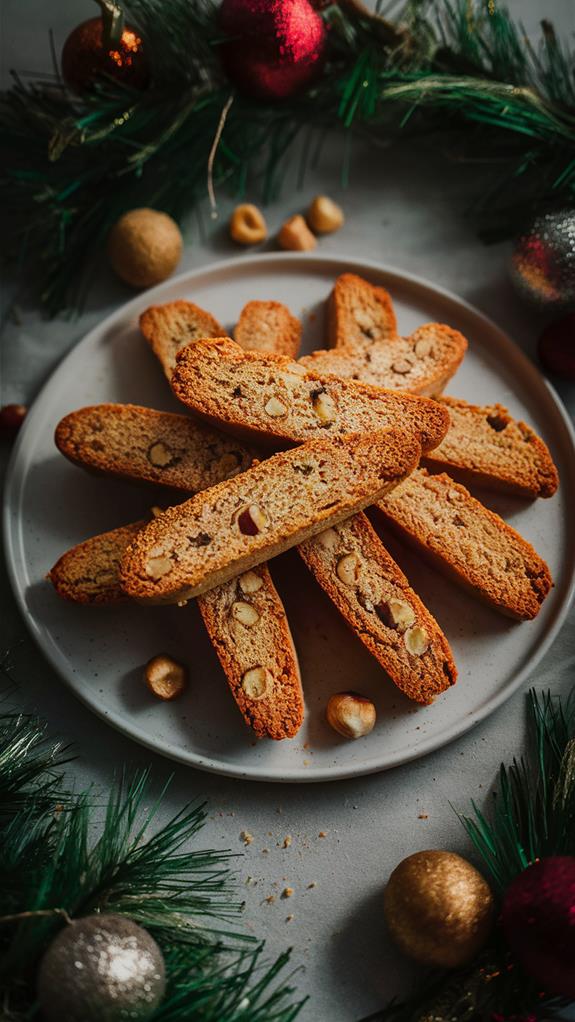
(103, 968)
(543, 262)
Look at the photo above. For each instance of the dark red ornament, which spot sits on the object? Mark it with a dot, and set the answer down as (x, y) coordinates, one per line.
(105, 46)
(538, 919)
(273, 48)
(11, 418)
(556, 347)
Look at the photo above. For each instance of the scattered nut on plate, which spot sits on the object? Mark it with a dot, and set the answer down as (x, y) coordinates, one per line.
(295, 235)
(165, 677)
(247, 225)
(350, 714)
(324, 215)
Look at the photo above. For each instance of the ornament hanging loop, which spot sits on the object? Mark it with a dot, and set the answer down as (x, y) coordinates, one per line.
(112, 23)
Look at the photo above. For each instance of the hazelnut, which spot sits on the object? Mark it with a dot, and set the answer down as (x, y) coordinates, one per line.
(250, 582)
(275, 408)
(229, 464)
(247, 225)
(245, 613)
(396, 614)
(416, 640)
(366, 324)
(350, 714)
(324, 215)
(422, 347)
(324, 406)
(255, 682)
(158, 565)
(251, 520)
(160, 455)
(328, 539)
(292, 377)
(166, 678)
(402, 366)
(296, 235)
(347, 569)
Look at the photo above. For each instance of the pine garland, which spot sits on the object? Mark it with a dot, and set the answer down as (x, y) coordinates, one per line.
(461, 70)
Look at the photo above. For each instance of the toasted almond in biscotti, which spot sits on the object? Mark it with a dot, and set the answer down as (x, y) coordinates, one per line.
(247, 625)
(359, 314)
(266, 396)
(169, 327)
(89, 572)
(484, 445)
(156, 447)
(469, 543)
(369, 589)
(235, 525)
(422, 363)
(268, 326)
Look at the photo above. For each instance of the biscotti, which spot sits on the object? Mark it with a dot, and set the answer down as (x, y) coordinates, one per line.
(245, 620)
(266, 396)
(369, 589)
(359, 314)
(268, 326)
(484, 445)
(156, 447)
(471, 544)
(422, 363)
(273, 506)
(168, 328)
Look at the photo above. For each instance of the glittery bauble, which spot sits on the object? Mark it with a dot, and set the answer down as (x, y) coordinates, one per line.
(84, 57)
(102, 968)
(438, 908)
(273, 48)
(539, 922)
(556, 347)
(543, 262)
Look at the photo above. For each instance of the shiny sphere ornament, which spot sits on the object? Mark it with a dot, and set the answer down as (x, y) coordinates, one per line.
(273, 48)
(105, 47)
(103, 968)
(556, 347)
(543, 262)
(538, 918)
(438, 908)
(144, 247)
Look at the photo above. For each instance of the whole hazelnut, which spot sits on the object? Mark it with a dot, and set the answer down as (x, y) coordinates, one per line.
(247, 225)
(324, 215)
(350, 714)
(165, 677)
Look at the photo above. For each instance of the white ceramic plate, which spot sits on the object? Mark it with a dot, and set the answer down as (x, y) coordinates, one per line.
(99, 652)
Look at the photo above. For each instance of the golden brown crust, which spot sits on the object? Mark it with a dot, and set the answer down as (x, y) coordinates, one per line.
(469, 543)
(486, 446)
(170, 327)
(267, 396)
(268, 326)
(359, 313)
(367, 580)
(89, 572)
(273, 506)
(149, 446)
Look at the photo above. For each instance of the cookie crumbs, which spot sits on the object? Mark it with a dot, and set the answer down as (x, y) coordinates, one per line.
(287, 841)
(313, 884)
(322, 833)
(270, 899)
(287, 892)
(246, 837)
(265, 851)
(289, 919)
(423, 816)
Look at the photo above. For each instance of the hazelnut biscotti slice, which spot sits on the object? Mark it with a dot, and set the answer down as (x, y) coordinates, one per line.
(370, 590)
(469, 543)
(267, 396)
(359, 313)
(245, 620)
(273, 506)
(422, 363)
(268, 326)
(156, 447)
(169, 327)
(484, 445)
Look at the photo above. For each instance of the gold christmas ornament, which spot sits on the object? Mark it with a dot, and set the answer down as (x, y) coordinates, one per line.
(144, 247)
(438, 908)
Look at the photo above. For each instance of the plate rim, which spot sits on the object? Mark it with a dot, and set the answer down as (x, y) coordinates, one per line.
(17, 471)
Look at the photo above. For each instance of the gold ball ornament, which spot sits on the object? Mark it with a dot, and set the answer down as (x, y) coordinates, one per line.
(438, 908)
(144, 247)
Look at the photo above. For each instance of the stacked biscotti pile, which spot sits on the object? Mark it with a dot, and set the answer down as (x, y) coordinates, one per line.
(277, 452)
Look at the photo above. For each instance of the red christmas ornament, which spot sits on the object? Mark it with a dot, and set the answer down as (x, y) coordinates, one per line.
(11, 418)
(105, 46)
(538, 918)
(556, 347)
(273, 48)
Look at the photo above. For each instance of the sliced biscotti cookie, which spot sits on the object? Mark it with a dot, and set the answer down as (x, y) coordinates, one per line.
(369, 589)
(268, 326)
(247, 625)
(168, 328)
(484, 445)
(245, 620)
(267, 396)
(156, 447)
(282, 501)
(359, 313)
(471, 544)
(422, 363)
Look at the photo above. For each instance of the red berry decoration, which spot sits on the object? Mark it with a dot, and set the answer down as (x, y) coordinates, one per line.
(102, 47)
(274, 48)
(556, 347)
(11, 418)
(539, 923)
